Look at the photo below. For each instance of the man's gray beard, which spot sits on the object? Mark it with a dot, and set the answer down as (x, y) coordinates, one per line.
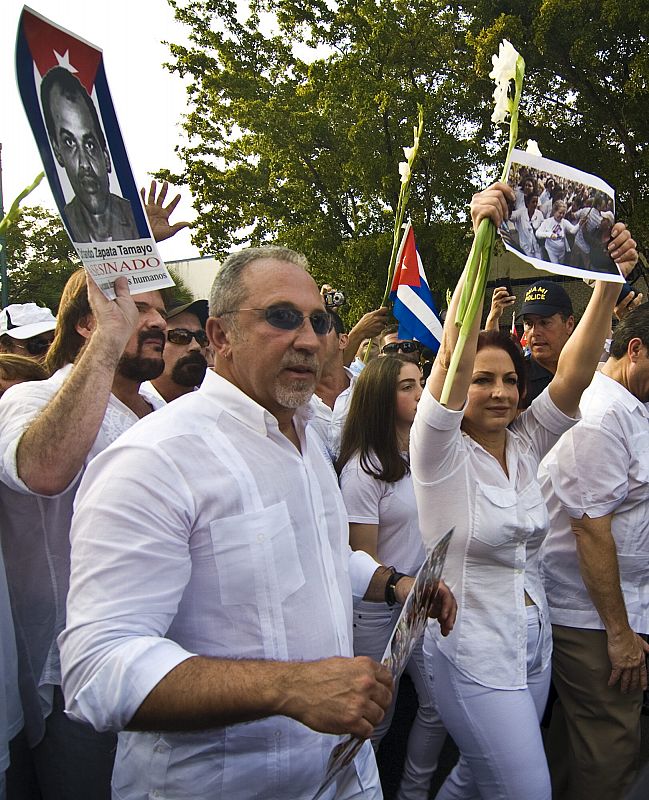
(292, 397)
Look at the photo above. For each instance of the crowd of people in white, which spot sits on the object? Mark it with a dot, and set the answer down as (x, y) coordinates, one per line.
(212, 511)
(559, 220)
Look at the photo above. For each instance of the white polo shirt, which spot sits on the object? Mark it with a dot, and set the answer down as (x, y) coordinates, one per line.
(600, 467)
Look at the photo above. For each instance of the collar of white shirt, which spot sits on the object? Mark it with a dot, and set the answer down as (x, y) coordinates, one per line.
(242, 407)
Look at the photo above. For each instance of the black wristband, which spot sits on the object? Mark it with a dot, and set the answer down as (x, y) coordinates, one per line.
(390, 586)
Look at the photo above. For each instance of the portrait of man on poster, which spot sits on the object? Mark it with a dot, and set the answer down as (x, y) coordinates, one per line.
(94, 214)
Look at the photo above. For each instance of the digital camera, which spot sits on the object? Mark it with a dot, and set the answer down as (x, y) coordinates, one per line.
(334, 299)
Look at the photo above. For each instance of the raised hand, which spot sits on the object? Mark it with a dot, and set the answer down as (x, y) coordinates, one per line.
(158, 214)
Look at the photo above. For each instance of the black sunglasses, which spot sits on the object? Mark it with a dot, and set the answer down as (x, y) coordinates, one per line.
(36, 347)
(405, 347)
(289, 319)
(182, 336)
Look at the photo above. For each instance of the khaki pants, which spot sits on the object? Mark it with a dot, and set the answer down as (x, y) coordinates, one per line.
(594, 738)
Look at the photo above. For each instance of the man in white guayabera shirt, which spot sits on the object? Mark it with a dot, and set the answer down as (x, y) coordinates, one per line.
(596, 573)
(210, 606)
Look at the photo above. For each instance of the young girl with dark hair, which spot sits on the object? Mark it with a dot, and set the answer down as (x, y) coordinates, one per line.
(377, 489)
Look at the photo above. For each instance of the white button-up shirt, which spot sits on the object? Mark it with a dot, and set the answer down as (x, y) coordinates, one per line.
(500, 522)
(35, 531)
(205, 531)
(600, 467)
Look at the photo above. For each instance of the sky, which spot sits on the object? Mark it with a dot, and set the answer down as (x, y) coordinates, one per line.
(149, 100)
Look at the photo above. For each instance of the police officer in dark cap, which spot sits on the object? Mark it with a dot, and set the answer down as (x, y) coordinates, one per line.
(548, 320)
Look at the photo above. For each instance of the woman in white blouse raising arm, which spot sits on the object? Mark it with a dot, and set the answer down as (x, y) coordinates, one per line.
(474, 465)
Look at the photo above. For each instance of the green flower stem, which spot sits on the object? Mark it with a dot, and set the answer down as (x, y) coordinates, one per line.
(472, 266)
(402, 202)
(479, 260)
(11, 215)
(475, 301)
(513, 124)
(404, 195)
(398, 222)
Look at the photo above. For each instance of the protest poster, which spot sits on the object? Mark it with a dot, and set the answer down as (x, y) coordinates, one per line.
(64, 90)
(562, 219)
(410, 626)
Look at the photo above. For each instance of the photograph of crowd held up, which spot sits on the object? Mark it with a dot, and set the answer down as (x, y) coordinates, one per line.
(562, 218)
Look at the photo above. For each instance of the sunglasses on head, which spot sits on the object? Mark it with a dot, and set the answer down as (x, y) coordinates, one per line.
(289, 319)
(404, 347)
(36, 347)
(182, 336)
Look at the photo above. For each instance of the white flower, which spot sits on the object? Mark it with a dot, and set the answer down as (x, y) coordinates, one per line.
(502, 104)
(504, 64)
(409, 153)
(532, 147)
(404, 171)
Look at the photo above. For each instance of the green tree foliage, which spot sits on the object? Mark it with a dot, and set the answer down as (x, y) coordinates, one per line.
(586, 87)
(285, 146)
(40, 258)
(295, 130)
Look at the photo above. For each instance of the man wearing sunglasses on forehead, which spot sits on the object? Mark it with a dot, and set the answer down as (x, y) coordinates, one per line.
(185, 351)
(26, 329)
(391, 344)
(212, 578)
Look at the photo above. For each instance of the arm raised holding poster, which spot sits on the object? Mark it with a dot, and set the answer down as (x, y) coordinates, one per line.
(56, 443)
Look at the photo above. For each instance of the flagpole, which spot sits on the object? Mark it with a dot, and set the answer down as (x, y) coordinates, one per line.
(388, 291)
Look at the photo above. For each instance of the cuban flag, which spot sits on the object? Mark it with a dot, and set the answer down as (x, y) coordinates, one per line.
(414, 307)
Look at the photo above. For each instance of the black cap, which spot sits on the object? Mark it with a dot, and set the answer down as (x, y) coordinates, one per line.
(198, 307)
(546, 298)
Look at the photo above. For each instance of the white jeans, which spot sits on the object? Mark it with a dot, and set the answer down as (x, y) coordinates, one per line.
(373, 624)
(497, 731)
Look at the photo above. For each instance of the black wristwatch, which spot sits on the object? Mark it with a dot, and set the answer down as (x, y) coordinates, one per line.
(390, 586)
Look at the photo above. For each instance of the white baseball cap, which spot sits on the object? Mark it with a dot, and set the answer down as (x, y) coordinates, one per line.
(24, 320)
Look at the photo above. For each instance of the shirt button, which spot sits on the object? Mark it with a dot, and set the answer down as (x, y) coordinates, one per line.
(260, 537)
(157, 748)
(278, 734)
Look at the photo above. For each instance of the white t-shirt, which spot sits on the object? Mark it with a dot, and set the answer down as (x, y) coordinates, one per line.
(320, 421)
(500, 522)
(391, 506)
(526, 228)
(339, 414)
(600, 467)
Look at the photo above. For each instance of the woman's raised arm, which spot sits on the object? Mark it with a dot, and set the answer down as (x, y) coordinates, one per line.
(492, 203)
